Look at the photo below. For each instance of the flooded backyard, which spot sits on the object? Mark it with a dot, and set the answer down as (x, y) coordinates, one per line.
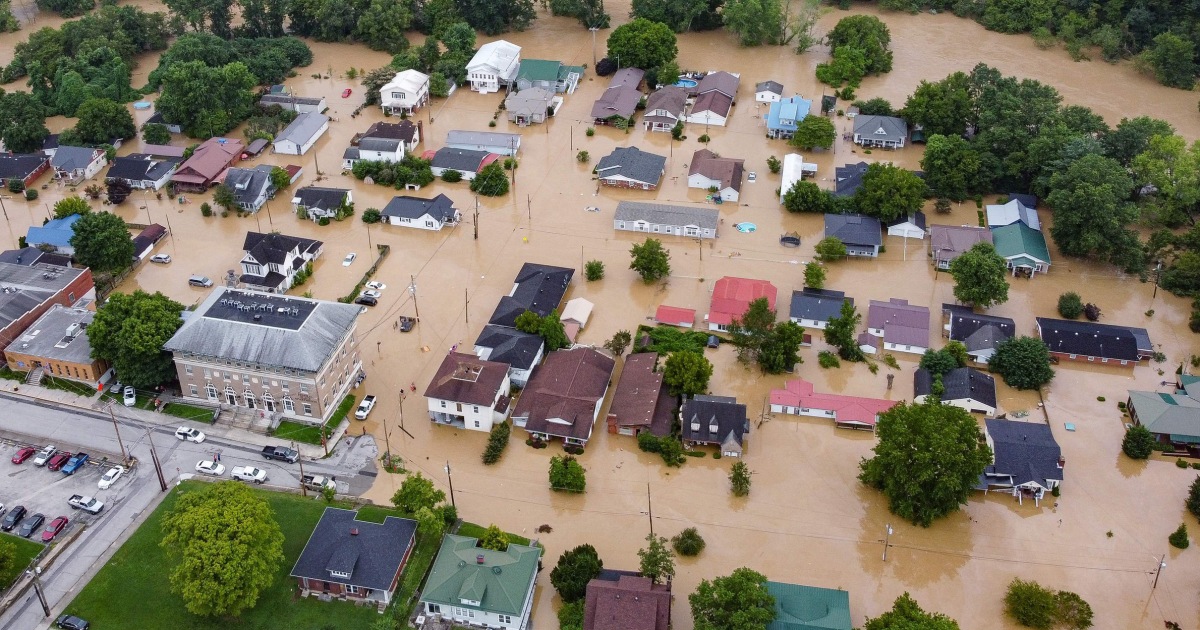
(807, 520)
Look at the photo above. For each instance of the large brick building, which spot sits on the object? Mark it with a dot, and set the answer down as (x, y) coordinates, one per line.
(28, 291)
(58, 344)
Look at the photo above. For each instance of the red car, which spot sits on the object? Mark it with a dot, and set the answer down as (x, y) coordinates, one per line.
(59, 460)
(54, 528)
(346, 93)
(23, 455)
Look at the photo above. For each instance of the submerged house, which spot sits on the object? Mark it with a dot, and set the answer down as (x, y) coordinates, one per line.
(715, 420)
(1027, 460)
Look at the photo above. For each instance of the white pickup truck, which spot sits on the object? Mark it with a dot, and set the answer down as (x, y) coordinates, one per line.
(249, 473)
(365, 407)
(87, 504)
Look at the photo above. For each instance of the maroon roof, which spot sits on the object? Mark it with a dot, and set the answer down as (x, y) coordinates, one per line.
(629, 603)
(208, 161)
(636, 399)
(561, 395)
(466, 378)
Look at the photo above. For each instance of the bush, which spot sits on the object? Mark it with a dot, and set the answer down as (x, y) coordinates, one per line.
(1179, 463)
(451, 176)
(583, 157)
(1100, 398)
(206, 209)
(1138, 442)
(1179, 539)
(593, 270)
(668, 447)
(510, 163)
(321, 221)
(1031, 604)
(1193, 500)
(497, 440)
(827, 359)
(15, 185)
(372, 215)
(704, 138)
(688, 542)
(774, 165)
(31, 194)
(591, 131)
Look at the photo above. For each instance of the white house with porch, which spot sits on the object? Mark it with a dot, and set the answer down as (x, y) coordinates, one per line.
(468, 393)
(407, 92)
(495, 64)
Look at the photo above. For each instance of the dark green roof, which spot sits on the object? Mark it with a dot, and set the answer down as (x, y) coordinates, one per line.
(809, 607)
(501, 583)
(1018, 240)
(539, 70)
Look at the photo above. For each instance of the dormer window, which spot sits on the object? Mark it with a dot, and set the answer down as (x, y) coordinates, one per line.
(339, 574)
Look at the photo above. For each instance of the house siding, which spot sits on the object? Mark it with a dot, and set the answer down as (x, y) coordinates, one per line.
(660, 228)
(468, 415)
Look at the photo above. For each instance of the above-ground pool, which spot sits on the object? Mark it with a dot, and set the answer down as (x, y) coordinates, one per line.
(687, 83)
(141, 105)
(746, 227)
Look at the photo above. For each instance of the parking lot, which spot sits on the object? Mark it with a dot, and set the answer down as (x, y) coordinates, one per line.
(45, 491)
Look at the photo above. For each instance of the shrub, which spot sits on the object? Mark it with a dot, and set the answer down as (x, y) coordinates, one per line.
(1179, 463)
(510, 163)
(827, 359)
(704, 138)
(15, 185)
(31, 194)
(1193, 500)
(1179, 539)
(583, 157)
(497, 440)
(451, 176)
(1100, 398)
(593, 270)
(491, 123)
(372, 215)
(1030, 604)
(1138, 442)
(688, 542)
(774, 165)
(591, 131)
(1091, 312)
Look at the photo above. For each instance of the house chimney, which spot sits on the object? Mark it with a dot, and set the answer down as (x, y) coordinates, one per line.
(479, 559)
(353, 531)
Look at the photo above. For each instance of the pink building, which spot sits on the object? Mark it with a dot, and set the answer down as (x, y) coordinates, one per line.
(855, 412)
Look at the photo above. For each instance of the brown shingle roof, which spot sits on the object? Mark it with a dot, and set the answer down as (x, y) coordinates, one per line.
(208, 160)
(637, 396)
(714, 102)
(726, 170)
(468, 379)
(561, 395)
(629, 603)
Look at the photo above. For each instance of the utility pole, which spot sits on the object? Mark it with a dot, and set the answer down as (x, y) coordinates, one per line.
(1161, 565)
(466, 318)
(402, 397)
(257, 219)
(649, 509)
(124, 453)
(303, 490)
(269, 217)
(412, 288)
(370, 247)
(450, 479)
(887, 537)
(36, 574)
(162, 482)
(529, 209)
(316, 165)
(475, 221)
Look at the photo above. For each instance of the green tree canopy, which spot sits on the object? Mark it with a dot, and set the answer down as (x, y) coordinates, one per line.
(129, 332)
(1092, 211)
(68, 206)
(1024, 362)
(814, 275)
(382, 25)
(906, 614)
(416, 492)
(1070, 305)
(780, 350)
(980, 276)
(848, 65)
(576, 567)
(492, 181)
(566, 473)
(807, 197)
(814, 132)
(952, 168)
(942, 107)
(497, 16)
(22, 122)
(642, 44)
(927, 461)
(1173, 59)
(494, 538)
(868, 34)
(155, 133)
(102, 242)
(1030, 604)
(738, 601)
(841, 332)
(939, 362)
(101, 120)
(755, 22)
(657, 562)
(889, 192)
(650, 259)
(686, 373)
(680, 15)
(227, 547)
(1173, 172)
(1138, 442)
(206, 101)
(1132, 136)
(739, 479)
(830, 248)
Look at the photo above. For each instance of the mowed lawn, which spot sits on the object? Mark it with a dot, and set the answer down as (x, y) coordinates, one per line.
(133, 590)
(24, 552)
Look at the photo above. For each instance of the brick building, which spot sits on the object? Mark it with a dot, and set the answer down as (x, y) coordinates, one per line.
(58, 344)
(28, 291)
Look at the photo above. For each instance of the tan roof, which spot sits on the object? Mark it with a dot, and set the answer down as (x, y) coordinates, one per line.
(671, 98)
(468, 379)
(726, 170)
(948, 241)
(715, 102)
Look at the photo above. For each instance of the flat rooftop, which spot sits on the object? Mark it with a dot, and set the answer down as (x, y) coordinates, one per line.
(261, 309)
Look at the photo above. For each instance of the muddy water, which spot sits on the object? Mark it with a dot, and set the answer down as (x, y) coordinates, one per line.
(807, 520)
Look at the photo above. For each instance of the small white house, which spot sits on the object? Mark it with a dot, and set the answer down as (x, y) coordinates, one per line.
(768, 92)
(76, 164)
(794, 170)
(302, 134)
(422, 214)
(373, 150)
(494, 65)
(468, 393)
(912, 226)
(407, 92)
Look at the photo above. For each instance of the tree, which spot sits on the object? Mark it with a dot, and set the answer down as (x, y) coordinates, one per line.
(651, 260)
(566, 473)
(943, 108)
(679, 15)
(497, 16)
(459, 37)
(430, 523)
(688, 542)
(1092, 211)
(570, 616)
(980, 276)
(1072, 611)
(372, 215)
(68, 206)
(619, 342)
(755, 22)
(780, 351)
(739, 479)
(749, 331)
(927, 461)
(1169, 169)
(594, 270)
(382, 24)
(155, 133)
(1193, 500)
(1132, 136)
(1024, 362)
(906, 614)
(129, 333)
(552, 332)
(101, 120)
(206, 101)
(868, 34)
(1179, 538)
(494, 538)
(1173, 60)
(830, 248)
(492, 181)
(223, 196)
(1030, 604)
(958, 351)
(877, 106)
(687, 373)
(67, 8)
(807, 197)
(840, 332)
(814, 132)
(576, 567)
(657, 561)
(738, 601)
(952, 168)
(102, 242)
(848, 65)
(228, 547)
(528, 322)
(889, 192)
(938, 362)
(590, 13)
(1070, 305)
(417, 492)
(22, 122)
(814, 275)
(642, 44)
(118, 191)
(1138, 442)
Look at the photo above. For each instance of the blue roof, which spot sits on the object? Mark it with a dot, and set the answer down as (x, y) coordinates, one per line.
(57, 232)
(786, 113)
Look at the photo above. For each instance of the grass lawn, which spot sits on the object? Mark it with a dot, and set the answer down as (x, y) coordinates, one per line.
(143, 401)
(66, 385)
(311, 434)
(188, 412)
(667, 339)
(133, 589)
(476, 531)
(9, 374)
(25, 551)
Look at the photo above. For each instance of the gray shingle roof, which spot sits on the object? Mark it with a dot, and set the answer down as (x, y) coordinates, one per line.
(317, 197)
(854, 229)
(881, 128)
(538, 288)
(720, 81)
(72, 158)
(386, 145)
(633, 163)
(769, 86)
(139, 167)
(440, 207)
(305, 341)
(19, 166)
(671, 98)
(849, 178)
(978, 331)
(960, 384)
(274, 247)
(466, 160)
(817, 304)
(509, 345)
(1025, 450)
(248, 184)
(1093, 339)
(665, 214)
(372, 553)
(483, 138)
(729, 414)
(303, 128)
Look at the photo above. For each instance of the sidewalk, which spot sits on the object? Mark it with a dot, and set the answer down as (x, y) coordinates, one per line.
(95, 404)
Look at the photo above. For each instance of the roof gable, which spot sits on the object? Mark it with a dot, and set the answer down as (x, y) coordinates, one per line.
(854, 229)
(346, 550)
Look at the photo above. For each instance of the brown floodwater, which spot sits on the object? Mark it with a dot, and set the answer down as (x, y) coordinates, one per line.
(807, 520)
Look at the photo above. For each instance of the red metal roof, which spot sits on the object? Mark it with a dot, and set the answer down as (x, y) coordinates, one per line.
(675, 315)
(732, 297)
(847, 409)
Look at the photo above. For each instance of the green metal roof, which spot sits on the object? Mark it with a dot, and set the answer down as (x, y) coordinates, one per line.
(539, 70)
(501, 583)
(809, 607)
(1018, 240)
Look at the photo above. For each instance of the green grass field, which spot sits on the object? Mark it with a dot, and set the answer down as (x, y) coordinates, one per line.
(311, 434)
(25, 551)
(133, 590)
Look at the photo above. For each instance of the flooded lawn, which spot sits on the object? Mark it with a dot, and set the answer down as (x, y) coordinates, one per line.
(807, 520)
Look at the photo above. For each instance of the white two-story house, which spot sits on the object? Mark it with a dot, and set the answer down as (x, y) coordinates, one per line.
(271, 261)
(469, 393)
(407, 92)
(496, 64)
(481, 588)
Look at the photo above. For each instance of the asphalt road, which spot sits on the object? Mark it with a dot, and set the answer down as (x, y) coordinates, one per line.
(132, 498)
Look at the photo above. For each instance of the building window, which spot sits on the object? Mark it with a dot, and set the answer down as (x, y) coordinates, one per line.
(307, 409)
(433, 608)
(475, 408)
(210, 391)
(303, 388)
(288, 405)
(476, 424)
(285, 386)
(187, 369)
(352, 589)
(194, 390)
(505, 619)
(443, 404)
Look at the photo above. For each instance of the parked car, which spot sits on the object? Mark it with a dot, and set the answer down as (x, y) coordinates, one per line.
(54, 529)
(372, 293)
(714, 341)
(129, 396)
(75, 463)
(44, 455)
(13, 518)
(406, 323)
(751, 176)
(87, 504)
(346, 93)
(59, 460)
(349, 259)
(365, 407)
(23, 455)
(378, 286)
(200, 281)
(189, 434)
(207, 467)
(31, 524)
(249, 473)
(162, 259)
(366, 300)
(111, 477)
(280, 453)
(71, 622)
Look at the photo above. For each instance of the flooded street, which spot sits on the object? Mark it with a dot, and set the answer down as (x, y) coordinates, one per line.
(807, 520)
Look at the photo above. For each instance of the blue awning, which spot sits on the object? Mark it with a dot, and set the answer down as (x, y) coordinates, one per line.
(1185, 439)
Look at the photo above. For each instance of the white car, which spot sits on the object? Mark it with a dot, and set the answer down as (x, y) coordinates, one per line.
(44, 455)
(372, 293)
(189, 434)
(349, 259)
(210, 468)
(751, 176)
(162, 259)
(378, 286)
(129, 396)
(111, 477)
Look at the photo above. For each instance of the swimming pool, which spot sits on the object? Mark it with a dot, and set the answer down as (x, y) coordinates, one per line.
(687, 83)
(746, 227)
